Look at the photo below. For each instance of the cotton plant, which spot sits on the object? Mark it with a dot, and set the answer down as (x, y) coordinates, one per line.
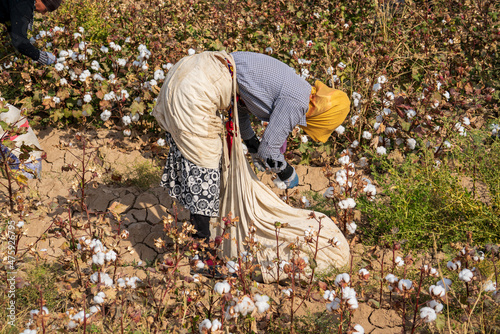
(345, 187)
(342, 299)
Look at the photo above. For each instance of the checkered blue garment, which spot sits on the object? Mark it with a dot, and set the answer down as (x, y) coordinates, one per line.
(273, 92)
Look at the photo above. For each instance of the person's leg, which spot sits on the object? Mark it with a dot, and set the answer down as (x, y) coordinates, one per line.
(202, 225)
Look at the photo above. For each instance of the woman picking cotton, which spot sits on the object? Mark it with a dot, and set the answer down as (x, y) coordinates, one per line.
(199, 86)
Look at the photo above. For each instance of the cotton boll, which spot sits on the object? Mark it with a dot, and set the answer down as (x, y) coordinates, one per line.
(99, 298)
(122, 62)
(305, 201)
(28, 331)
(232, 266)
(216, 325)
(342, 278)
(121, 283)
(245, 306)
(427, 314)
(435, 305)
(367, 135)
(348, 203)
(356, 95)
(328, 192)
(126, 120)
(382, 79)
(351, 227)
(453, 265)
(465, 275)
(363, 273)
(222, 287)
(437, 291)
(334, 305)
(353, 303)
(279, 184)
(489, 286)
(410, 113)
(355, 144)
(348, 293)
(399, 261)
(381, 150)
(329, 295)
(205, 325)
(110, 256)
(376, 87)
(262, 303)
(160, 142)
(304, 73)
(390, 130)
(391, 278)
(98, 258)
(340, 130)
(94, 278)
(358, 329)
(445, 283)
(94, 309)
(87, 98)
(344, 160)
(135, 117)
(105, 115)
(405, 284)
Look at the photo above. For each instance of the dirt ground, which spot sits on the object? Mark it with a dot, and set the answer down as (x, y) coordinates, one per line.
(144, 207)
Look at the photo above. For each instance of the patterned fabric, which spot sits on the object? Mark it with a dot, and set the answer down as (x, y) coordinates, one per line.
(273, 92)
(196, 188)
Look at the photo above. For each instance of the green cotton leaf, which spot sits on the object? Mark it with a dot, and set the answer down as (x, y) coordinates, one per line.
(4, 125)
(440, 321)
(9, 144)
(300, 14)
(137, 107)
(306, 160)
(374, 303)
(405, 126)
(88, 109)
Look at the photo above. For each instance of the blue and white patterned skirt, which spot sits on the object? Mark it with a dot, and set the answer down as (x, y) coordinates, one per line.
(196, 188)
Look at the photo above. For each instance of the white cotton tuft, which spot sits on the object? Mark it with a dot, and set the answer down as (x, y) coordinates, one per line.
(381, 150)
(222, 287)
(262, 303)
(427, 314)
(465, 275)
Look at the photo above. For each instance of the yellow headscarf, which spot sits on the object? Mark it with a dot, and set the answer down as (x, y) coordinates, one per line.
(328, 108)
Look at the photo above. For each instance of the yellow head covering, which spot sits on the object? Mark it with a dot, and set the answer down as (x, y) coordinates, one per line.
(328, 108)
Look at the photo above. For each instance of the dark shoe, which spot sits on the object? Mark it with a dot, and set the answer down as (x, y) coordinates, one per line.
(209, 272)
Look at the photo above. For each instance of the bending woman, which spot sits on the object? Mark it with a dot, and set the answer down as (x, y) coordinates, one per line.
(198, 86)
